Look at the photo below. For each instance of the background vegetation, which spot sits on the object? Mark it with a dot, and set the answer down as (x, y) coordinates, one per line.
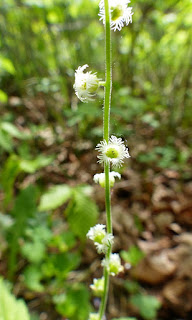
(47, 140)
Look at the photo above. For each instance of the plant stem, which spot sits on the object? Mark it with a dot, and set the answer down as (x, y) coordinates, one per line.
(108, 74)
(106, 126)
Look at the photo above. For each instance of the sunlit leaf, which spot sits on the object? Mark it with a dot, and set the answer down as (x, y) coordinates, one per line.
(10, 308)
(55, 197)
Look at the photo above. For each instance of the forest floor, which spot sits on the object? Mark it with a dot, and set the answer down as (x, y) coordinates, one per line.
(151, 208)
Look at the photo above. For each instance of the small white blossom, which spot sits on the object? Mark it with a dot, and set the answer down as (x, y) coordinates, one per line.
(93, 316)
(100, 178)
(113, 265)
(98, 286)
(121, 14)
(102, 240)
(86, 84)
(112, 152)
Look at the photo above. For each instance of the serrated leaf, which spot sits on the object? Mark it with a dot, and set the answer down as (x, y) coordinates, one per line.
(10, 308)
(55, 197)
(82, 214)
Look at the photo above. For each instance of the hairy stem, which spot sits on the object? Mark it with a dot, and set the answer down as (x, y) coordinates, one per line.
(106, 127)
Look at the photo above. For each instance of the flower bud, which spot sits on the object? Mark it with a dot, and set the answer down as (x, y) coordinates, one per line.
(100, 178)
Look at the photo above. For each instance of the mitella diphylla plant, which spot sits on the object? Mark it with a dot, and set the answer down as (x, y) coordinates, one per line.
(114, 14)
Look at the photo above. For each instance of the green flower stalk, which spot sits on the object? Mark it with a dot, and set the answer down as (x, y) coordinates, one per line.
(112, 150)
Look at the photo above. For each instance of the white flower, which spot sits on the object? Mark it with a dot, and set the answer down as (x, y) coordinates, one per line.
(100, 178)
(120, 13)
(98, 286)
(104, 245)
(86, 84)
(113, 265)
(102, 240)
(112, 152)
(93, 316)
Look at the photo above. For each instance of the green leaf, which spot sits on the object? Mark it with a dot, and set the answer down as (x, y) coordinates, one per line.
(74, 304)
(9, 174)
(10, 308)
(3, 97)
(30, 166)
(32, 277)
(124, 318)
(25, 207)
(60, 265)
(82, 214)
(133, 255)
(6, 65)
(34, 251)
(5, 141)
(64, 242)
(55, 197)
(132, 286)
(147, 305)
(12, 130)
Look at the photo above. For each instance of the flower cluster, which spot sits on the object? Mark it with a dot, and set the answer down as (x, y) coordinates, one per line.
(112, 152)
(100, 178)
(113, 265)
(98, 286)
(121, 14)
(86, 84)
(101, 239)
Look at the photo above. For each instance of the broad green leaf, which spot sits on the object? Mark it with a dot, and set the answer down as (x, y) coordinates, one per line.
(10, 308)
(82, 214)
(146, 304)
(55, 197)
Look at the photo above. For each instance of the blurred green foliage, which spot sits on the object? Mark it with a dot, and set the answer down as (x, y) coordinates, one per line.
(9, 306)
